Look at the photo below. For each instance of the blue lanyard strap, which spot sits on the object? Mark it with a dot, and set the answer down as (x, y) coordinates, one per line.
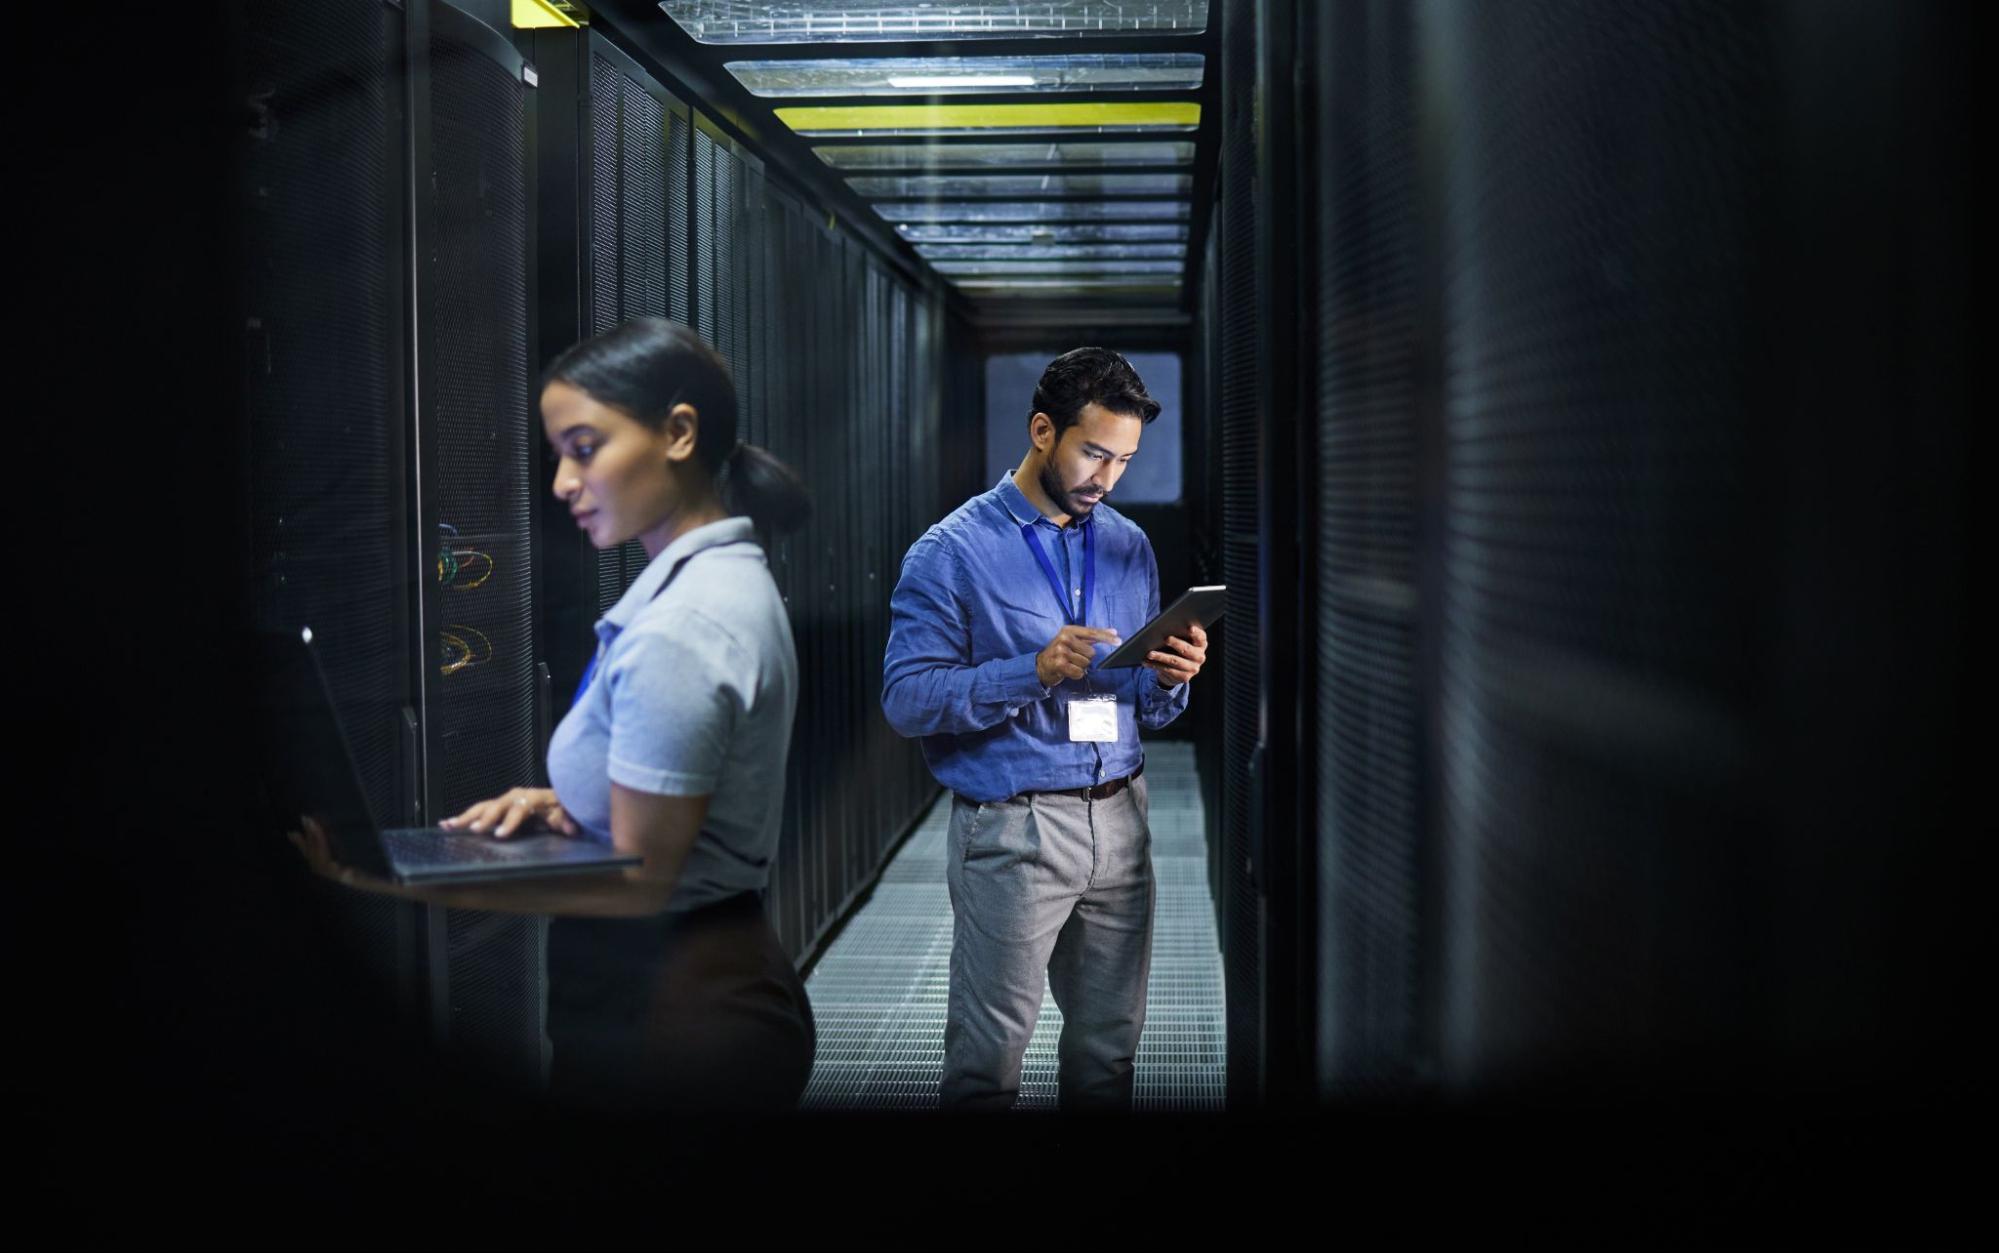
(589, 672)
(1073, 617)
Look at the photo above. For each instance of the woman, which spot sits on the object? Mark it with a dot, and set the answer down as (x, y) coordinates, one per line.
(667, 986)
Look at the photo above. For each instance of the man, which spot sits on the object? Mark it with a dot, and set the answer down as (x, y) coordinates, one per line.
(995, 626)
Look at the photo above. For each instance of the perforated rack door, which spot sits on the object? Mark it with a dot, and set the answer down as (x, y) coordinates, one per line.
(472, 211)
(323, 383)
(636, 158)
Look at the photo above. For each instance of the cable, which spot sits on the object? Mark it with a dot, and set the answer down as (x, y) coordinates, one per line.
(466, 656)
(457, 557)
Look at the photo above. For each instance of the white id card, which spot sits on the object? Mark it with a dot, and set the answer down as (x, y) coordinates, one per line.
(1093, 718)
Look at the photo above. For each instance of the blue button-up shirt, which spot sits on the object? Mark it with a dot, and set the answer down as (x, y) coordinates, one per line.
(970, 613)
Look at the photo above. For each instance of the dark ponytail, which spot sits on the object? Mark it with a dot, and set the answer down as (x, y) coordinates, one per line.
(752, 481)
(644, 368)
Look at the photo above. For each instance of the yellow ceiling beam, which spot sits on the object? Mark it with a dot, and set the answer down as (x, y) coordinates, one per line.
(980, 116)
(541, 14)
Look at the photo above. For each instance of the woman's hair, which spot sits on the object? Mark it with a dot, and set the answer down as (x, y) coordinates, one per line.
(645, 367)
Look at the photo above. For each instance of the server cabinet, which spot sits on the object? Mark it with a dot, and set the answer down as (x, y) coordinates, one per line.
(475, 551)
(615, 234)
(323, 327)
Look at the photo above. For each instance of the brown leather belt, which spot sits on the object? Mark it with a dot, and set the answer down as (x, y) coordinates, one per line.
(1101, 791)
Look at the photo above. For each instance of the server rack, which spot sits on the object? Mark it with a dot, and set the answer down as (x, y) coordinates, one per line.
(615, 166)
(1241, 920)
(1596, 687)
(475, 549)
(323, 368)
(1376, 414)
(389, 308)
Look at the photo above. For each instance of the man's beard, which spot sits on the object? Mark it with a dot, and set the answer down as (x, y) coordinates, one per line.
(1062, 498)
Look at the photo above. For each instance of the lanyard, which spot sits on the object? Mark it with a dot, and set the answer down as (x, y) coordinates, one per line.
(1073, 617)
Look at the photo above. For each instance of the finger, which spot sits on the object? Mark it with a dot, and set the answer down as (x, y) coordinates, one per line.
(1107, 635)
(517, 813)
(484, 815)
(559, 819)
(1199, 634)
(460, 819)
(312, 839)
(512, 808)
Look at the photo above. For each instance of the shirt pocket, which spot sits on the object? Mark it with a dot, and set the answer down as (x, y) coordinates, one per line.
(1124, 611)
(1019, 621)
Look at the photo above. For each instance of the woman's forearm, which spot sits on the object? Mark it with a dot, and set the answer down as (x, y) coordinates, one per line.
(600, 895)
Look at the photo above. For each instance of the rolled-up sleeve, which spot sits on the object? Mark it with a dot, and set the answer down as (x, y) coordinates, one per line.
(929, 684)
(676, 690)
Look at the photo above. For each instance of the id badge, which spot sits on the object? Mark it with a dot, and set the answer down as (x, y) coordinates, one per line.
(1093, 719)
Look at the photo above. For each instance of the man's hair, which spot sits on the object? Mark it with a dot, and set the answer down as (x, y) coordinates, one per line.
(1082, 376)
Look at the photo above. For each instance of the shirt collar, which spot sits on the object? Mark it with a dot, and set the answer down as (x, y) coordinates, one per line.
(1016, 504)
(713, 535)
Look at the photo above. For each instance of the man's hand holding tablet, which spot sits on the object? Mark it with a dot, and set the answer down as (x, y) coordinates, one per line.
(1174, 644)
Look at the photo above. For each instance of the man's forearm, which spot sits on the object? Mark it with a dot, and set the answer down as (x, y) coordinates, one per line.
(959, 700)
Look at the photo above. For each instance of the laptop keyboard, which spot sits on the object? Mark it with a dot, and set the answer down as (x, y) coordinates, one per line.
(439, 848)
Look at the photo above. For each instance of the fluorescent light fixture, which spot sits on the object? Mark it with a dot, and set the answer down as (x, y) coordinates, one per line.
(1080, 74)
(1033, 210)
(915, 82)
(823, 21)
(1019, 186)
(1043, 233)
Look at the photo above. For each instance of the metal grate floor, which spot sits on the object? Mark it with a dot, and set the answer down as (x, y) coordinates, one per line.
(879, 994)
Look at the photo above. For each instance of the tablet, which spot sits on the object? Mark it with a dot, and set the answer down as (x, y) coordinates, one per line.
(1200, 606)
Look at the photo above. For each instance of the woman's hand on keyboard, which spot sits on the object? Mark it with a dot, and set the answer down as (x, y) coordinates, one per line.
(504, 815)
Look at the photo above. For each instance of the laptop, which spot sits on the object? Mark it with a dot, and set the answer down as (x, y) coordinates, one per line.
(312, 771)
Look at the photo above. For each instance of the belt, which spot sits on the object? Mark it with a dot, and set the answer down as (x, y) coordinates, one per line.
(1098, 792)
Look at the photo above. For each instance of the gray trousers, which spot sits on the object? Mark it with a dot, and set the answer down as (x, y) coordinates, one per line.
(1055, 887)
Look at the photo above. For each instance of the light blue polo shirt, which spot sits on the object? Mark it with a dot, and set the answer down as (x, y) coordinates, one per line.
(692, 693)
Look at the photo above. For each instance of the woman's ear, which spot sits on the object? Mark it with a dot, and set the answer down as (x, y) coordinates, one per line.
(682, 431)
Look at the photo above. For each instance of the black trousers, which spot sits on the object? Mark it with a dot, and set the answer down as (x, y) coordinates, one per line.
(696, 1012)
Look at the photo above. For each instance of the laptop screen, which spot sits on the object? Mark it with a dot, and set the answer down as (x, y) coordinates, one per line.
(306, 758)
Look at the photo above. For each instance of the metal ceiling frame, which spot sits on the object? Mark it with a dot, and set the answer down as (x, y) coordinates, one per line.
(754, 118)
